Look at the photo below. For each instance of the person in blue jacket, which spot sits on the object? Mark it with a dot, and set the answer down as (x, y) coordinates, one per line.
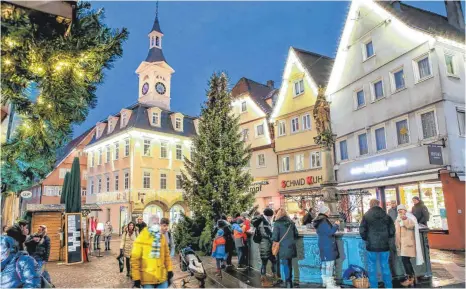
(19, 270)
(327, 245)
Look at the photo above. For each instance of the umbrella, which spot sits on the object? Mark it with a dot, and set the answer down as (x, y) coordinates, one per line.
(64, 188)
(73, 191)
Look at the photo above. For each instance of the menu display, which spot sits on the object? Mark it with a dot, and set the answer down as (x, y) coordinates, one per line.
(73, 238)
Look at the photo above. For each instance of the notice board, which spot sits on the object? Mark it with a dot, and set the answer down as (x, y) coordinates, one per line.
(73, 239)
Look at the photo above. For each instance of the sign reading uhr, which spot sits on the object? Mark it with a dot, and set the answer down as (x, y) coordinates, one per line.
(310, 180)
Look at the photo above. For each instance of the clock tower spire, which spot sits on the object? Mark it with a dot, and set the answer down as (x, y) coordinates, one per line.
(154, 73)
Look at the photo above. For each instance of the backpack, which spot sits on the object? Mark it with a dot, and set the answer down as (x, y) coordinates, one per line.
(257, 238)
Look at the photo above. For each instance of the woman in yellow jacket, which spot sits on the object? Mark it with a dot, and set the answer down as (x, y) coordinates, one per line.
(151, 265)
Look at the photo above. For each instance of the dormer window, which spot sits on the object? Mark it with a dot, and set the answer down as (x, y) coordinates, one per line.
(155, 118)
(177, 123)
(110, 127)
(97, 132)
(123, 119)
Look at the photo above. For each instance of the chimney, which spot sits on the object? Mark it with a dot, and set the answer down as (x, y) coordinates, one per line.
(270, 83)
(455, 13)
(396, 5)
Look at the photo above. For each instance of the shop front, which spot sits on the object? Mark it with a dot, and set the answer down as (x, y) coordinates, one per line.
(266, 193)
(300, 190)
(114, 207)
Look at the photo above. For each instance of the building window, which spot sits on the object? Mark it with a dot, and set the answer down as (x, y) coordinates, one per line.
(260, 130)
(315, 160)
(91, 155)
(157, 41)
(397, 79)
(126, 180)
(281, 128)
(179, 152)
(126, 147)
(108, 154)
(377, 90)
(100, 156)
(369, 49)
(97, 132)
(91, 187)
(163, 181)
(99, 187)
(295, 124)
(460, 115)
(123, 119)
(363, 144)
(245, 134)
(244, 108)
(380, 142)
(178, 182)
(146, 151)
(155, 118)
(402, 132)
(62, 173)
(83, 192)
(146, 180)
(177, 123)
(285, 164)
(164, 150)
(429, 128)
(117, 151)
(107, 184)
(422, 68)
(261, 160)
(298, 87)
(299, 162)
(450, 63)
(116, 180)
(360, 100)
(306, 122)
(343, 150)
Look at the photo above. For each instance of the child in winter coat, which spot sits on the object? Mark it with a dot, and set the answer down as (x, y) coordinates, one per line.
(218, 251)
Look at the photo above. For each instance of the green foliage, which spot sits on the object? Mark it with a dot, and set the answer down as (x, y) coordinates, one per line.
(73, 191)
(205, 241)
(65, 62)
(187, 232)
(215, 181)
(64, 188)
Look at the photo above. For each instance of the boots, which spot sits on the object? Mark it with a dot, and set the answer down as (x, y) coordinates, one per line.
(275, 279)
(324, 281)
(331, 283)
(265, 282)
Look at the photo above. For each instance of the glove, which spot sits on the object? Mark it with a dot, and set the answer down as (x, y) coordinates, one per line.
(169, 277)
(137, 284)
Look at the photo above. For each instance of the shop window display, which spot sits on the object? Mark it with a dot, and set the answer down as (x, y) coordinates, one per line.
(433, 198)
(390, 195)
(407, 193)
(357, 213)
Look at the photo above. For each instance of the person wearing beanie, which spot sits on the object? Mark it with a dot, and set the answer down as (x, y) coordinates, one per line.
(239, 237)
(219, 252)
(327, 245)
(420, 211)
(263, 236)
(229, 242)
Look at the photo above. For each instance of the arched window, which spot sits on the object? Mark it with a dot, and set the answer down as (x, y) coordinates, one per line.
(157, 41)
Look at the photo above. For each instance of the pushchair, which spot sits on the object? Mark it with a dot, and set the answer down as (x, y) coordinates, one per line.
(190, 262)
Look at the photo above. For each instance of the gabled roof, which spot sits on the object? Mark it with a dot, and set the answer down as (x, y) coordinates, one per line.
(318, 66)
(425, 21)
(257, 91)
(155, 55)
(140, 119)
(156, 26)
(65, 152)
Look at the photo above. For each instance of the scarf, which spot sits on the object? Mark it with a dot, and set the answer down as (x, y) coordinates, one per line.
(417, 237)
(154, 231)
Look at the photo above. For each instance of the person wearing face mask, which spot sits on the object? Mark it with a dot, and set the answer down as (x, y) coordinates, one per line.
(151, 265)
(18, 269)
(19, 232)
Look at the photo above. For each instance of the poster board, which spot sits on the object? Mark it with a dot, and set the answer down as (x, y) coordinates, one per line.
(73, 238)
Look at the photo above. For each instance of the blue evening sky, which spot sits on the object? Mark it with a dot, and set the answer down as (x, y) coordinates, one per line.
(249, 39)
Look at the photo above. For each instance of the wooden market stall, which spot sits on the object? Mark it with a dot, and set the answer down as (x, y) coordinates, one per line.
(52, 216)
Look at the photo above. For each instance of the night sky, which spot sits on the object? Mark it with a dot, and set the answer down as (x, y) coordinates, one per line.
(249, 39)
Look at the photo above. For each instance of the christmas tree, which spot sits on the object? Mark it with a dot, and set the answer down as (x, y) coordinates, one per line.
(63, 61)
(215, 181)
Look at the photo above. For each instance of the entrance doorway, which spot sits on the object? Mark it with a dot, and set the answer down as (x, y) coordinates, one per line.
(175, 214)
(152, 215)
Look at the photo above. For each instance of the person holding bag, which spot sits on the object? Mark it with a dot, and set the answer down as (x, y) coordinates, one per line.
(126, 244)
(284, 238)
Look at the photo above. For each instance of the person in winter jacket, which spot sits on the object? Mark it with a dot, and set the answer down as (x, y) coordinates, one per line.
(18, 232)
(38, 247)
(263, 224)
(151, 265)
(126, 244)
(228, 235)
(285, 232)
(219, 252)
(18, 269)
(393, 212)
(239, 236)
(164, 223)
(141, 224)
(327, 245)
(108, 231)
(420, 211)
(376, 229)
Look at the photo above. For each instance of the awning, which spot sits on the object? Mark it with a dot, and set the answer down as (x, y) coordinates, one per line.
(58, 207)
(59, 8)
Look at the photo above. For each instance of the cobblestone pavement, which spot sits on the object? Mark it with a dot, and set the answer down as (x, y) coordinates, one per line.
(447, 268)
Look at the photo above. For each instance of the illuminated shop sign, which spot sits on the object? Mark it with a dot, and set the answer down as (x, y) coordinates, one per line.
(302, 181)
(257, 186)
(379, 166)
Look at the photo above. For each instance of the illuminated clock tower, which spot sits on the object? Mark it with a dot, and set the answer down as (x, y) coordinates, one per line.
(154, 73)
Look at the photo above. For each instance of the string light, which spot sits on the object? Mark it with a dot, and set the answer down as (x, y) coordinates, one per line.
(8, 61)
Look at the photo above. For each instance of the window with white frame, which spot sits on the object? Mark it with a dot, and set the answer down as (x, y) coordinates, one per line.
(123, 119)
(460, 115)
(163, 150)
(450, 64)
(245, 134)
(107, 183)
(116, 180)
(244, 106)
(360, 99)
(397, 79)
(99, 186)
(422, 68)
(109, 130)
(100, 156)
(179, 152)
(146, 148)
(299, 162)
(146, 180)
(286, 164)
(428, 124)
(380, 141)
(157, 41)
(116, 153)
(126, 147)
(163, 181)
(363, 148)
(402, 131)
(261, 160)
(281, 128)
(178, 182)
(343, 150)
(368, 49)
(62, 173)
(260, 130)
(177, 123)
(295, 124)
(377, 89)
(315, 160)
(155, 118)
(108, 153)
(84, 174)
(91, 187)
(298, 87)
(306, 122)
(83, 192)
(126, 180)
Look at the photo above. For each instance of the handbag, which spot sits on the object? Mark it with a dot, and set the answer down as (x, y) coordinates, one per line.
(276, 245)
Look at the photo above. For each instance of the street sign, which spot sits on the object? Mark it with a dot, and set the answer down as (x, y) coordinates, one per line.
(435, 154)
(26, 194)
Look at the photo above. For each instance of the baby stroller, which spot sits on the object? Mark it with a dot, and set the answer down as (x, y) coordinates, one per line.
(190, 262)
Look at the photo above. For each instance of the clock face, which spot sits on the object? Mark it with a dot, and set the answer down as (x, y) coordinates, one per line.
(160, 88)
(145, 88)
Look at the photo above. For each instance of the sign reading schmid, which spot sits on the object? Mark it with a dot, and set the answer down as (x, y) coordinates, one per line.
(301, 182)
